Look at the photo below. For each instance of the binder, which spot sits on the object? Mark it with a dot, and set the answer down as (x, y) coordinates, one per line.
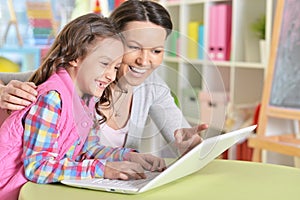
(224, 32)
(118, 2)
(172, 44)
(213, 31)
(192, 51)
(201, 41)
(178, 47)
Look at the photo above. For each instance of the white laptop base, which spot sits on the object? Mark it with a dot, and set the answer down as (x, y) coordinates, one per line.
(193, 161)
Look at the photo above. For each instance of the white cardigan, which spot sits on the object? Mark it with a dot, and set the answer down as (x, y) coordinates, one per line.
(153, 98)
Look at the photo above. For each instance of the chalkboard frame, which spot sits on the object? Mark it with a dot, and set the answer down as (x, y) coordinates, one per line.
(286, 143)
(285, 90)
(268, 109)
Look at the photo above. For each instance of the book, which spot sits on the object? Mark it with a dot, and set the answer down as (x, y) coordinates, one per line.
(224, 32)
(201, 48)
(172, 44)
(192, 50)
(213, 31)
(220, 31)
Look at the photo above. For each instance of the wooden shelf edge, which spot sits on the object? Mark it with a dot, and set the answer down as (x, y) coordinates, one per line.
(285, 144)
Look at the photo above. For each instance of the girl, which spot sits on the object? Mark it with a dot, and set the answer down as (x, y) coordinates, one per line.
(49, 140)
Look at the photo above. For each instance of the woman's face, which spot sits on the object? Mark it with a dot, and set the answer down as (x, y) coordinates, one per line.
(98, 69)
(144, 50)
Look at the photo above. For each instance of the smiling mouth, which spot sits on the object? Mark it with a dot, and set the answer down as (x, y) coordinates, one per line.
(136, 70)
(101, 85)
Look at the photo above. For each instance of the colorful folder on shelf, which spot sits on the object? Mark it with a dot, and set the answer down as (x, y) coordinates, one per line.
(213, 31)
(192, 50)
(172, 44)
(220, 31)
(224, 30)
(201, 48)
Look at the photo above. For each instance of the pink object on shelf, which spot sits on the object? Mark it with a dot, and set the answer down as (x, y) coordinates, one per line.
(224, 32)
(213, 31)
(40, 23)
(213, 108)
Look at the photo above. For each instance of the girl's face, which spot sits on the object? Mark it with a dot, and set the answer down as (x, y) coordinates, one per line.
(98, 69)
(144, 50)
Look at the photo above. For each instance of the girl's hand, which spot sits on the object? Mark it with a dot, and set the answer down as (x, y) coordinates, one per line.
(123, 170)
(147, 161)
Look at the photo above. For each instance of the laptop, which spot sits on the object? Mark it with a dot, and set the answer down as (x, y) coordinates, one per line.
(193, 161)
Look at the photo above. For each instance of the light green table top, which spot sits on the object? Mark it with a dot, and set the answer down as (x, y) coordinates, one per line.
(221, 179)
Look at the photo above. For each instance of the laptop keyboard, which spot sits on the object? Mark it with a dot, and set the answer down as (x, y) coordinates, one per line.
(129, 183)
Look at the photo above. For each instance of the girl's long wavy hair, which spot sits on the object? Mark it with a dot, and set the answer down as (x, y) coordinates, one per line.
(75, 41)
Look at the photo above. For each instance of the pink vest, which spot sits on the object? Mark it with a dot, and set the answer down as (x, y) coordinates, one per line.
(76, 121)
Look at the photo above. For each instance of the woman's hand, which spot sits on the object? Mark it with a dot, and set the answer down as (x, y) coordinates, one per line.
(187, 138)
(16, 95)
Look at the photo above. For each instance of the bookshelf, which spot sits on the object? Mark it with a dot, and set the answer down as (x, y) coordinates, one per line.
(240, 78)
(35, 29)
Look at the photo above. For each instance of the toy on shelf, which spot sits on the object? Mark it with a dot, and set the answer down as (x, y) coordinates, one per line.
(7, 65)
(42, 22)
(13, 21)
(97, 8)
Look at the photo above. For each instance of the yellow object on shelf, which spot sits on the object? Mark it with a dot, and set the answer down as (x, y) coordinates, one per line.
(7, 65)
(192, 50)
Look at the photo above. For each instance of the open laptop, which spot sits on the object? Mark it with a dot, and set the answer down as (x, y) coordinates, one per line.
(191, 162)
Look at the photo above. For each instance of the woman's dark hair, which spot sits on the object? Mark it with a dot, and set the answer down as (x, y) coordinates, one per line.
(139, 10)
(75, 41)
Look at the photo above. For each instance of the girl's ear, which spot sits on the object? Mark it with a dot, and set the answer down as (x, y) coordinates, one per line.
(74, 63)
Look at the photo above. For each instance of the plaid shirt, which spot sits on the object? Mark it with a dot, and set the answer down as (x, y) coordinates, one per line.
(40, 147)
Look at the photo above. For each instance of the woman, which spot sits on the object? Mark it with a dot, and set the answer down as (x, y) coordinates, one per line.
(139, 92)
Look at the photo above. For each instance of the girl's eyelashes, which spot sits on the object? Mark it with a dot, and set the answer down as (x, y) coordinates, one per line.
(117, 67)
(133, 47)
(104, 63)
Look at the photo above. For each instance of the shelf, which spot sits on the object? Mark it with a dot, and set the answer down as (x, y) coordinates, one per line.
(219, 63)
(241, 76)
(249, 65)
(254, 65)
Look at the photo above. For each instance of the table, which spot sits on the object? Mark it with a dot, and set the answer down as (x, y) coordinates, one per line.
(221, 179)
